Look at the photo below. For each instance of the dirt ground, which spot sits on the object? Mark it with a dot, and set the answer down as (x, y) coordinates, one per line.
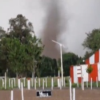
(57, 94)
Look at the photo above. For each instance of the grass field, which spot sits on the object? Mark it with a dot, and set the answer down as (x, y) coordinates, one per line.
(32, 86)
(41, 83)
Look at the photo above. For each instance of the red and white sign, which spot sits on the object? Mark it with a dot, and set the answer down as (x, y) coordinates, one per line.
(95, 58)
(77, 72)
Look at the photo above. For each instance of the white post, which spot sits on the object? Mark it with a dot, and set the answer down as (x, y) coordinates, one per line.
(12, 83)
(3, 83)
(33, 75)
(28, 84)
(97, 81)
(64, 82)
(19, 83)
(58, 73)
(9, 82)
(82, 81)
(82, 84)
(22, 94)
(52, 84)
(70, 89)
(43, 84)
(24, 81)
(73, 93)
(32, 79)
(61, 64)
(11, 98)
(16, 82)
(35, 84)
(77, 84)
(46, 81)
(5, 80)
(91, 83)
(39, 82)
(60, 81)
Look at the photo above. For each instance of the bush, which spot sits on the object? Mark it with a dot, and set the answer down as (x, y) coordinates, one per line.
(89, 69)
(74, 85)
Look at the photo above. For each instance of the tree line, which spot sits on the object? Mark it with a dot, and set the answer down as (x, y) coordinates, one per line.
(20, 51)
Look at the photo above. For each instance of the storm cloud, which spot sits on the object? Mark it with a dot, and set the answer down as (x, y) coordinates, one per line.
(54, 25)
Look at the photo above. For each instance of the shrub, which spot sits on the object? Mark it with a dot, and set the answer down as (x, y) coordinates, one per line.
(74, 85)
(89, 69)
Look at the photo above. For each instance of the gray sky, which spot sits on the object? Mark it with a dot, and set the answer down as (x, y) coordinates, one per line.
(82, 16)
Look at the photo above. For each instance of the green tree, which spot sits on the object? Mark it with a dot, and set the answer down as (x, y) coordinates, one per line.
(87, 54)
(2, 63)
(18, 57)
(2, 32)
(92, 42)
(68, 60)
(21, 28)
(20, 49)
(48, 67)
(36, 49)
(13, 55)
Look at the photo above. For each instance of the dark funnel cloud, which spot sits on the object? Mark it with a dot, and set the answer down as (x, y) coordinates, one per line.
(54, 26)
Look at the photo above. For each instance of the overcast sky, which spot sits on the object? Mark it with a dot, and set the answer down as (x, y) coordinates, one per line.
(82, 16)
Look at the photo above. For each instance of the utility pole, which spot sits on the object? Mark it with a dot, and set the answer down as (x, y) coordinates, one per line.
(60, 58)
